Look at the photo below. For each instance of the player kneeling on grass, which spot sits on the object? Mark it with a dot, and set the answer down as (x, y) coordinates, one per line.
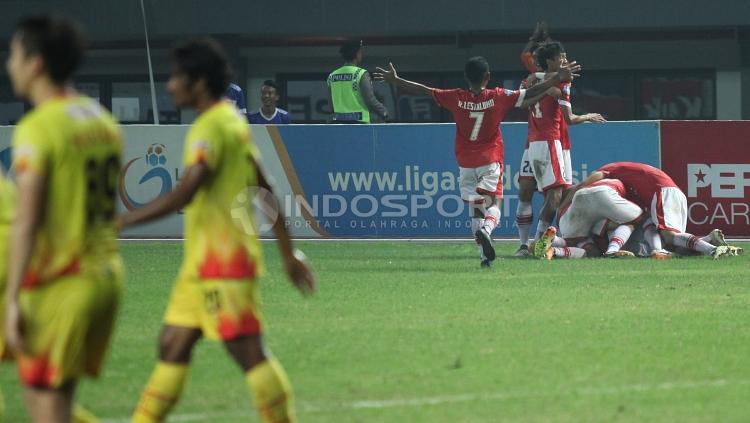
(478, 112)
(653, 190)
(599, 209)
(216, 293)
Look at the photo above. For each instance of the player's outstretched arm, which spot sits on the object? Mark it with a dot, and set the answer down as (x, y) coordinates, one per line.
(567, 72)
(391, 77)
(171, 202)
(23, 237)
(296, 266)
(530, 101)
(574, 119)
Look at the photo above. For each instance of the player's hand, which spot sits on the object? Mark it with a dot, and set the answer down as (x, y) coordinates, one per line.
(595, 117)
(568, 71)
(119, 223)
(14, 327)
(300, 273)
(382, 75)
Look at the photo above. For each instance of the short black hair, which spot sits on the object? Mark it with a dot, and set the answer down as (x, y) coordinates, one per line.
(475, 69)
(204, 58)
(270, 83)
(350, 48)
(548, 51)
(58, 40)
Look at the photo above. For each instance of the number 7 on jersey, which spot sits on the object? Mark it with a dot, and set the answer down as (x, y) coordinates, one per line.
(479, 117)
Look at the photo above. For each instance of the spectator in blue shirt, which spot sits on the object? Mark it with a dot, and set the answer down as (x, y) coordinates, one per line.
(269, 114)
(235, 95)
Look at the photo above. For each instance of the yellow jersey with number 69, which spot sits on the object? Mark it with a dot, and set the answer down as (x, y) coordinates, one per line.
(221, 240)
(76, 145)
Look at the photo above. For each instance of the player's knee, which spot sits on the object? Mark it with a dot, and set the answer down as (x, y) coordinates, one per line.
(554, 196)
(176, 345)
(526, 189)
(247, 351)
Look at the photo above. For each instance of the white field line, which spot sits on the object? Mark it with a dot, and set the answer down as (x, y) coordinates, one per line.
(329, 407)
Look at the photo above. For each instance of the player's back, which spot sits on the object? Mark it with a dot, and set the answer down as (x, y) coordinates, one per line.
(641, 180)
(220, 233)
(77, 146)
(614, 184)
(478, 116)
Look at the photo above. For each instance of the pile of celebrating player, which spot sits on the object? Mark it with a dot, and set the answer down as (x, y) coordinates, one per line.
(622, 210)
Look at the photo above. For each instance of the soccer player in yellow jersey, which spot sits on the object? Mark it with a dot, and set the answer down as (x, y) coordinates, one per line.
(64, 272)
(215, 295)
(7, 205)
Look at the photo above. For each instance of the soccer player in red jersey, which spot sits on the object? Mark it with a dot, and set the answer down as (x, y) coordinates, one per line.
(478, 112)
(546, 162)
(653, 190)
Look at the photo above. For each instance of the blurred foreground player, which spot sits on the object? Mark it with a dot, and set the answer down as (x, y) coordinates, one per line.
(216, 293)
(64, 274)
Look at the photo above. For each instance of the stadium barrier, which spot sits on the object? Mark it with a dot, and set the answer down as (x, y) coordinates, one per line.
(401, 180)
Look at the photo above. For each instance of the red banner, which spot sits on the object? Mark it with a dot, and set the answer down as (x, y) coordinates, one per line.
(710, 161)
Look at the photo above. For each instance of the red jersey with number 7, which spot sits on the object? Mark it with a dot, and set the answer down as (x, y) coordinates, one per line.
(479, 141)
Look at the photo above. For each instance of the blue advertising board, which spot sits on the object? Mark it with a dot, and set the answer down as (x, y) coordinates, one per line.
(394, 181)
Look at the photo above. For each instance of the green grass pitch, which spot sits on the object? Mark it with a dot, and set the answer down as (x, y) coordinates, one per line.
(417, 332)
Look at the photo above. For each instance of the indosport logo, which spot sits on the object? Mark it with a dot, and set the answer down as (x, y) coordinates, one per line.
(145, 178)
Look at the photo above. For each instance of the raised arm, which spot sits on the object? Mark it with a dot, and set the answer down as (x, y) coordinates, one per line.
(567, 72)
(391, 77)
(530, 101)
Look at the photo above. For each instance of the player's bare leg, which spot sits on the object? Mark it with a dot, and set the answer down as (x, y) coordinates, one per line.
(51, 405)
(524, 214)
(268, 382)
(168, 378)
(552, 199)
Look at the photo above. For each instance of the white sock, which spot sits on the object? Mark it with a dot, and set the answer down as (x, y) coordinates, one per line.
(694, 243)
(618, 238)
(570, 252)
(491, 219)
(652, 237)
(559, 242)
(524, 217)
(540, 228)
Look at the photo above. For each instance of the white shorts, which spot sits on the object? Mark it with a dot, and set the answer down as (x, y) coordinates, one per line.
(590, 210)
(548, 163)
(476, 182)
(669, 210)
